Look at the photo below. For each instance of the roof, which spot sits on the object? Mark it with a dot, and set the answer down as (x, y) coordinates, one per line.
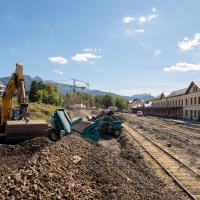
(148, 104)
(177, 92)
(159, 96)
(197, 83)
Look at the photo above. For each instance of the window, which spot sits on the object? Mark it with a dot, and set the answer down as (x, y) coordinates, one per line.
(186, 102)
(195, 100)
(179, 102)
(191, 114)
(199, 100)
(186, 113)
(182, 102)
(191, 101)
(195, 89)
(195, 113)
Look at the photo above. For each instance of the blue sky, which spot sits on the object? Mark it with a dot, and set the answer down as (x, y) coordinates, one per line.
(121, 46)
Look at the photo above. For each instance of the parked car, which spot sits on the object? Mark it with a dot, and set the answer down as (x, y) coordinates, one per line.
(140, 113)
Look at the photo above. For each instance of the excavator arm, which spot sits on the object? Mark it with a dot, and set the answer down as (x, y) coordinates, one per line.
(15, 84)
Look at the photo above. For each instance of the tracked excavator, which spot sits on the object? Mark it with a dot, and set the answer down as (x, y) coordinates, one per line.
(15, 123)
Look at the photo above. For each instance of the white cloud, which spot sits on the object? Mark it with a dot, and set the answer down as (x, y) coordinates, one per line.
(148, 18)
(188, 44)
(58, 60)
(84, 57)
(157, 52)
(131, 32)
(183, 67)
(58, 72)
(141, 19)
(89, 54)
(92, 50)
(154, 9)
(128, 20)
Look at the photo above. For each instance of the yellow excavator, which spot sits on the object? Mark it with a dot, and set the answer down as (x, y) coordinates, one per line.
(15, 123)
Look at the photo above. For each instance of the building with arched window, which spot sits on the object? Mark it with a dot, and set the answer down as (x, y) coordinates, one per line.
(179, 104)
(184, 103)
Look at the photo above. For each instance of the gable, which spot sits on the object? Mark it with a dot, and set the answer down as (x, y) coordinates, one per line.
(192, 88)
(162, 96)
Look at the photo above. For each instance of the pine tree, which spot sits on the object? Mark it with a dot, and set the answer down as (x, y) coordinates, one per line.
(33, 91)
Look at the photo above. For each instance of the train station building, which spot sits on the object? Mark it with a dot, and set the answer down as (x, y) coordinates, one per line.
(179, 104)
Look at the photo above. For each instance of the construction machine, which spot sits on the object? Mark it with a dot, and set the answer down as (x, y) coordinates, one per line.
(105, 124)
(15, 123)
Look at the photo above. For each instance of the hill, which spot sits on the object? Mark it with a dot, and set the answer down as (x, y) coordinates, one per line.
(65, 88)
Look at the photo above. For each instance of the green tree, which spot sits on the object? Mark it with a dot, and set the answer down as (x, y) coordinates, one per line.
(33, 91)
(108, 100)
(120, 102)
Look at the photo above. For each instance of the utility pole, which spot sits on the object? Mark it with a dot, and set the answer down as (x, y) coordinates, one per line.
(74, 85)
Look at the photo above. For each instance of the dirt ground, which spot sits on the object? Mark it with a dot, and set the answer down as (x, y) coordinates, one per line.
(182, 140)
(73, 168)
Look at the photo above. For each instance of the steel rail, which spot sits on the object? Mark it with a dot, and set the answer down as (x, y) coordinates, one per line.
(171, 123)
(163, 167)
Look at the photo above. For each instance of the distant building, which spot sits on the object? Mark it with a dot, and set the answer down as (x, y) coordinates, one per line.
(112, 108)
(135, 103)
(2, 87)
(179, 104)
(78, 106)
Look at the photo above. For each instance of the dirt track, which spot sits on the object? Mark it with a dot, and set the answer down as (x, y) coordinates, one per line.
(76, 169)
(182, 140)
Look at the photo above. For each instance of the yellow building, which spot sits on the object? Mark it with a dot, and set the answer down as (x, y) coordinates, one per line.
(184, 103)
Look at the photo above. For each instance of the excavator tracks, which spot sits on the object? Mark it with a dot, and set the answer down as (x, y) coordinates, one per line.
(186, 177)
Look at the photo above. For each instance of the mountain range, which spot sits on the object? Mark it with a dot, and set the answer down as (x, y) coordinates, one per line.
(65, 88)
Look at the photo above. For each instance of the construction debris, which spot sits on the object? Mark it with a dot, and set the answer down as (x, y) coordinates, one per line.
(73, 168)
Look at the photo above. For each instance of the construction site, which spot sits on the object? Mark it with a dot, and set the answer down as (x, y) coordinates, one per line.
(99, 100)
(103, 156)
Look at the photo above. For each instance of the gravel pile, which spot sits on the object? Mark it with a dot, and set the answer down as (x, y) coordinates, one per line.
(76, 169)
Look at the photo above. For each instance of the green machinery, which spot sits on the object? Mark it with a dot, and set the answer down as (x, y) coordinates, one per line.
(105, 124)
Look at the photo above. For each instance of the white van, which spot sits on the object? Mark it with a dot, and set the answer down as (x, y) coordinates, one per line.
(140, 113)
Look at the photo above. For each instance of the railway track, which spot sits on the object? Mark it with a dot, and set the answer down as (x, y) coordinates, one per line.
(186, 177)
(163, 122)
(178, 129)
(187, 131)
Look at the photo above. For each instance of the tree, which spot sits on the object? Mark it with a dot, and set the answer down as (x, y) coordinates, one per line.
(98, 101)
(33, 91)
(45, 93)
(120, 102)
(108, 100)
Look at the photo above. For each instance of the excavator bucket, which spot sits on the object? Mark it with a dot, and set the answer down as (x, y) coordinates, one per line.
(18, 131)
